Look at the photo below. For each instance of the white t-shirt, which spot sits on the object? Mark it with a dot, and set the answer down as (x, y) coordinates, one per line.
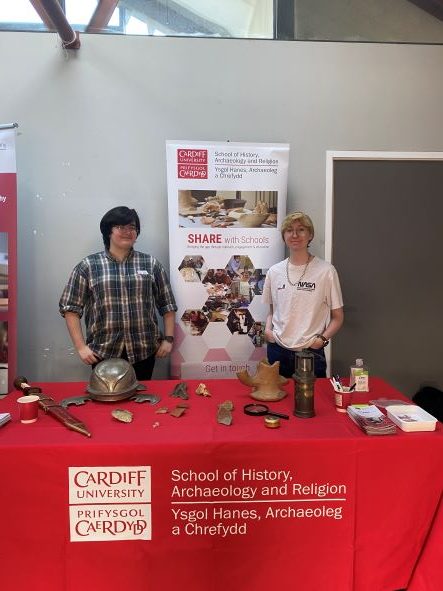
(301, 311)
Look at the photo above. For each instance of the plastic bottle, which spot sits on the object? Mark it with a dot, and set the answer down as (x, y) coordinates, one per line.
(359, 376)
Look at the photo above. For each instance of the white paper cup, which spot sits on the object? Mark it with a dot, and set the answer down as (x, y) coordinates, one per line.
(28, 406)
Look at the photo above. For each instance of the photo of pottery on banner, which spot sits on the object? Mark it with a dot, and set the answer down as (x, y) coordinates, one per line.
(28, 408)
(227, 209)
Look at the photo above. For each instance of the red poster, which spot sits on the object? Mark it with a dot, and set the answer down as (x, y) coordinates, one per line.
(8, 260)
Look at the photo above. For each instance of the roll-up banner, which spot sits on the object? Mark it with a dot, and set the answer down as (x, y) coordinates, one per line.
(8, 259)
(226, 202)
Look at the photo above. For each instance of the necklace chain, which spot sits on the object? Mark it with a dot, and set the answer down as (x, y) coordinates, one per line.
(301, 276)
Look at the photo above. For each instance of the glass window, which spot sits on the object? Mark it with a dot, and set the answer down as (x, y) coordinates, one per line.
(396, 21)
(18, 11)
(79, 12)
(190, 18)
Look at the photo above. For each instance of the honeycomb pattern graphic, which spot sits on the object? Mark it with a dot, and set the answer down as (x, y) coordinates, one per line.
(230, 318)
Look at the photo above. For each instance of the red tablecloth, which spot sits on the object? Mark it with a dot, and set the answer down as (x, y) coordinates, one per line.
(315, 504)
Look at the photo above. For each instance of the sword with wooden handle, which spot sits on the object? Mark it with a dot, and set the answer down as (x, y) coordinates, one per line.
(50, 406)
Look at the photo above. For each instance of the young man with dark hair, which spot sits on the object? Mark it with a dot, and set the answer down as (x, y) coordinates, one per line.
(118, 216)
(119, 291)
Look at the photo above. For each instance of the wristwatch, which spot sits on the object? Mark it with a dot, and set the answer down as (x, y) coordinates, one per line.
(169, 339)
(324, 339)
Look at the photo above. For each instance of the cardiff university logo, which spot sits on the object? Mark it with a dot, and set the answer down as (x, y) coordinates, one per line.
(110, 503)
(192, 163)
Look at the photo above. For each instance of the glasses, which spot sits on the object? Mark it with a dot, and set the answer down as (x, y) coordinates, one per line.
(127, 228)
(297, 231)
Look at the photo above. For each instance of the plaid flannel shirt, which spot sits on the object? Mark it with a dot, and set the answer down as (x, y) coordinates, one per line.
(119, 301)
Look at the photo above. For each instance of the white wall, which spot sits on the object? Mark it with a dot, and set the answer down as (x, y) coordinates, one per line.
(93, 125)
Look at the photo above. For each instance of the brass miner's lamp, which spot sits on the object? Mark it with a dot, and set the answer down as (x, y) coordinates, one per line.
(304, 384)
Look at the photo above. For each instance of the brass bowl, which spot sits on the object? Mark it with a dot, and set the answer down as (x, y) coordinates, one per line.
(272, 422)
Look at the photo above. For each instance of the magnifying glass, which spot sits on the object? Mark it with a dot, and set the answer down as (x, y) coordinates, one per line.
(258, 410)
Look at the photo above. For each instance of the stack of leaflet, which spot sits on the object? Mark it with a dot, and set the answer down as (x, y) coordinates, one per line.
(4, 418)
(371, 420)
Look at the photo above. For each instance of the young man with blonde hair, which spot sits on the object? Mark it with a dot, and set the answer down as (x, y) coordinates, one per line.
(304, 295)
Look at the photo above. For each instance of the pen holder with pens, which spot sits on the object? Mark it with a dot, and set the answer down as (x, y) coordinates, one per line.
(343, 396)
